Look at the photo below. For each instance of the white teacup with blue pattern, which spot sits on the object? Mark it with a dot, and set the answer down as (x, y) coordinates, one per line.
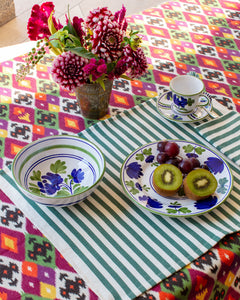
(188, 93)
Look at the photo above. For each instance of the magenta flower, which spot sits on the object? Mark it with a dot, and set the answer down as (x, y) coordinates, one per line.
(120, 18)
(106, 40)
(136, 62)
(95, 68)
(98, 15)
(38, 22)
(93, 50)
(77, 24)
(67, 70)
(121, 68)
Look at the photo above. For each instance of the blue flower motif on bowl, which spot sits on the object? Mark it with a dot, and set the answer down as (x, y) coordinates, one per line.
(50, 183)
(53, 183)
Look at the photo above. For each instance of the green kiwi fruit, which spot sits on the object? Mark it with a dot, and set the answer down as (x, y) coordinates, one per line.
(199, 184)
(167, 179)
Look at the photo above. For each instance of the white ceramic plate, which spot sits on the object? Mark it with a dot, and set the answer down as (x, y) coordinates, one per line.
(164, 107)
(136, 179)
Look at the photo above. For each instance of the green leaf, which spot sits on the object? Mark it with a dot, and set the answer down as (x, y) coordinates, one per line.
(80, 189)
(33, 185)
(175, 203)
(184, 210)
(36, 175)
(51, 26)
(221, 190)
(125, 77)
(58, 167)
(188, 148)
(190, 101)
(81, 52)
(35, 190)
(146, 188)
(130, 183)
(140, 156)
(134, 191)
(199, 150)
(63, 193)
(223, 181)
(147, 151)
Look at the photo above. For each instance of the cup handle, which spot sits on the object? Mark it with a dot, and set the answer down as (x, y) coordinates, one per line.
(207, 96)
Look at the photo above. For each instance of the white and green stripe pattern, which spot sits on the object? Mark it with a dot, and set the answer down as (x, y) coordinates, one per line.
(224, 134)
(119, 249)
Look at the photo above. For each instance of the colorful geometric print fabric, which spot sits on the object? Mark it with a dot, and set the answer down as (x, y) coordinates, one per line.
(189, 35)
(214, 275)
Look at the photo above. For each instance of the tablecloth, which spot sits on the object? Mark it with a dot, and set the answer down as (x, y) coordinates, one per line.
(122, 249)
(200, 36)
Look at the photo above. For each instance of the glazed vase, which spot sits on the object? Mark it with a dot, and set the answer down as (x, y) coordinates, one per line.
(93, 100)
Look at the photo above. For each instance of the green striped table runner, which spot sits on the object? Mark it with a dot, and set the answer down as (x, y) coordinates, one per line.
(119, 249)
(223, 133)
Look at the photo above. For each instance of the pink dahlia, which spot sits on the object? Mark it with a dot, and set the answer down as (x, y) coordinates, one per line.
(136, 61)
(38, 22)
(98, 15)
(67, 70)
(106, 40)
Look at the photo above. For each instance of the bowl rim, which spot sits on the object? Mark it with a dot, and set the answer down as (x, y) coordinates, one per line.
(50, 137)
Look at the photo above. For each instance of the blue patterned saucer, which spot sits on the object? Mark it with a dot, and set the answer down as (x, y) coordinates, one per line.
(164, 107)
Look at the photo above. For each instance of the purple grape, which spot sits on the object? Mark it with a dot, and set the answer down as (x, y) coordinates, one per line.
(162, 157)
(195, 162)
(161, 146)
(172, 149)
(185, 166)
(174, 161)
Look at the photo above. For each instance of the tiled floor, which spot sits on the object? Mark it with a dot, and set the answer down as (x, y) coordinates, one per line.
(15, 31)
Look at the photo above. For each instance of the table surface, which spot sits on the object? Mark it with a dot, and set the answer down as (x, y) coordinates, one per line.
(179, 37)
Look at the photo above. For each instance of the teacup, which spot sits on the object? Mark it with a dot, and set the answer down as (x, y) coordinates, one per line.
(188, 93)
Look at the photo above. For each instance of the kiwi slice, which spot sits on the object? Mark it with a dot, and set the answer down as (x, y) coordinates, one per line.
(199, 184)
(167, 179)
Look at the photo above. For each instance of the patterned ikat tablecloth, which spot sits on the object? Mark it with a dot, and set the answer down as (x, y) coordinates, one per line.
(196, 35)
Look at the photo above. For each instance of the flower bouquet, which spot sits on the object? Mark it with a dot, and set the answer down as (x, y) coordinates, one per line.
(90, 51)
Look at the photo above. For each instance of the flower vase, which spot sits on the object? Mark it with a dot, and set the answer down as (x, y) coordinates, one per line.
(93, 99)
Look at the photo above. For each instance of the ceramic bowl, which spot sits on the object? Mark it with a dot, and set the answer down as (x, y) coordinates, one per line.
(58, 170)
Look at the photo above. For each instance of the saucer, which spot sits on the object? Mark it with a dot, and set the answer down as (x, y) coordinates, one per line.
(164, 107)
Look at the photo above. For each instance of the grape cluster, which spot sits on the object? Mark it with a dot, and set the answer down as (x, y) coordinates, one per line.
(168, 153)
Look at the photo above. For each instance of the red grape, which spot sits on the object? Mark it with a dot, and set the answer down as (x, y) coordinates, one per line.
(185, 166)
(172, 149)
(173, 161)
(195, 162)
(162, 157)
(161, 146)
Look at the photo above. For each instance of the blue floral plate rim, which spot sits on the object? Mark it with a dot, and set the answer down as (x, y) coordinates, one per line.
(176, 206)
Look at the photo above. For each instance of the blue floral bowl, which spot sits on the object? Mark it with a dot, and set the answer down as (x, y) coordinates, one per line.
(58, 170)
